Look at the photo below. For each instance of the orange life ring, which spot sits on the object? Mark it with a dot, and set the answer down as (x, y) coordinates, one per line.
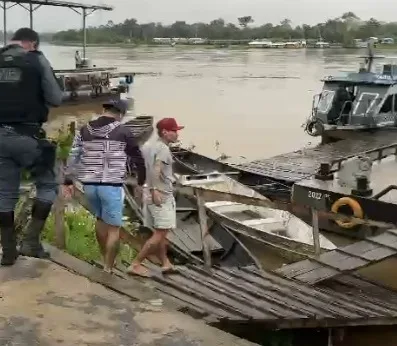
(354, 205)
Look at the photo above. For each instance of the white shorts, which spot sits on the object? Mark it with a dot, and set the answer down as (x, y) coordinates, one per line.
(162, 217)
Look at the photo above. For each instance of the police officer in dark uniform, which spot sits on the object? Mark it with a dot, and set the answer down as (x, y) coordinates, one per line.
(28, 88)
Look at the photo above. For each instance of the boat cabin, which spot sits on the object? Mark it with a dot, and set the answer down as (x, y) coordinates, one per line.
(356, 101)
(359, 99)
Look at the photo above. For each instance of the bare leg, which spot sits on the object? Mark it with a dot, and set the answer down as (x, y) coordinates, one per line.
(112, 247)
(166, 263)
(151, 246)
(101, 233)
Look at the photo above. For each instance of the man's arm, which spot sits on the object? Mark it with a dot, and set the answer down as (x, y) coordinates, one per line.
(73, 159)
(52, 92)
(155, 179)
(135, 155)
(160, 158)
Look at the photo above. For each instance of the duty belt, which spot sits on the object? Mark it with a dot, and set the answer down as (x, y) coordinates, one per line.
(31, 130)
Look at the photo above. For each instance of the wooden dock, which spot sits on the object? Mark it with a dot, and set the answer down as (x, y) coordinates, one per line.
(302, 164)
(263, 299)
(252, 298)
(63, 308)
(45, 304)
(343, 260)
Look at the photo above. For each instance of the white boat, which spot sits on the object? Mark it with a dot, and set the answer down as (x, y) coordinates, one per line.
(252, 218)
(291, 237)
(260, 44)
(322, 44)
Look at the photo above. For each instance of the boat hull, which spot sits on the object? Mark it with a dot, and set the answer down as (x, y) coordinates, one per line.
(141, 127)
(337, 134)
(189, 162)
(256, 240)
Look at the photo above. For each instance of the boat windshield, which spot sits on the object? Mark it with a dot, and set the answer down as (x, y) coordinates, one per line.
(325, 101)
(368, 98)
(365, 103)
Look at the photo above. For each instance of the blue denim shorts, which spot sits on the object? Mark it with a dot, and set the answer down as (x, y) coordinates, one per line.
(106, 203)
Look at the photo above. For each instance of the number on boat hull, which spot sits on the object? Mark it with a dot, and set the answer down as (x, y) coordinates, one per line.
(315, 195)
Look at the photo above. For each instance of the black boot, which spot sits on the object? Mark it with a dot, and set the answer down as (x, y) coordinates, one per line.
(31, 245)
(8, 239)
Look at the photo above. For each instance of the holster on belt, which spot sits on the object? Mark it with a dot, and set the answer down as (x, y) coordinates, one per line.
(46, 160)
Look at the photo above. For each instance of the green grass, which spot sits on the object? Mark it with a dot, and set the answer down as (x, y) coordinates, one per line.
(80, 237)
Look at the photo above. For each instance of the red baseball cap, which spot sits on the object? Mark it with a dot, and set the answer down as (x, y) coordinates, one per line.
(169, 124)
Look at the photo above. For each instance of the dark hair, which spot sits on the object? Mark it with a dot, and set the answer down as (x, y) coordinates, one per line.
(160, 132)
(26, 34)
(112, 109)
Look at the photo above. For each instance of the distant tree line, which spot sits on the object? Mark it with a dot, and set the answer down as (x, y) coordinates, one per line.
(338, 30)
(44, 36)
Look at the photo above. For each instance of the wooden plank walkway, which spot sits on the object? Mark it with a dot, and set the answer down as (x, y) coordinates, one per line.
(45, 304)
(226, 297)
(343, 260)
(301, 164)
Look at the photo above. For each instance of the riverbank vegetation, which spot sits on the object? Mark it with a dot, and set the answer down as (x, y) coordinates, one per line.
(80, 240)
(343, 30)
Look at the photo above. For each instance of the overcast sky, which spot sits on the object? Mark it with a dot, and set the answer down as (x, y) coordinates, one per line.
(167, 11)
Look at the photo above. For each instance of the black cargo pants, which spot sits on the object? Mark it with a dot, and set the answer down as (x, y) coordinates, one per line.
(18, 152)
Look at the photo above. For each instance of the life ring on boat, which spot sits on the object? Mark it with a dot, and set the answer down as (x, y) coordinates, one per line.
(355, 207)
(314, 128)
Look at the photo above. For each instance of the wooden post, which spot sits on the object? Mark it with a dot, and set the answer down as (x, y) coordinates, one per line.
(316, 232)
(204, 228)
(59, 205)
(72, 128)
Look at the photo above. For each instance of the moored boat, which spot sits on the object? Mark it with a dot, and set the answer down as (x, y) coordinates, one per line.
(141, 127)
(279, 230)
(293, 239)
(189, 162)
(88, 88)
(355, 102)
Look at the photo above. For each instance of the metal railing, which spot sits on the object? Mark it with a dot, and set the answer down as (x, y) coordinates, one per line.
(373, 154)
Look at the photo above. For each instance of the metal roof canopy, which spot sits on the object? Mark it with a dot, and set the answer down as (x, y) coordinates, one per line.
(33, 5)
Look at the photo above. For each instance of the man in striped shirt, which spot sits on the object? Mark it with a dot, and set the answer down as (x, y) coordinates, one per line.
(98, 159)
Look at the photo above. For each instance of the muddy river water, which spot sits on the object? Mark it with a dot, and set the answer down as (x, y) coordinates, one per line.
(251, 102)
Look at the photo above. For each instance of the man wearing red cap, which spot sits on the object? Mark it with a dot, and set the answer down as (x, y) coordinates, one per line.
(159, 203)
